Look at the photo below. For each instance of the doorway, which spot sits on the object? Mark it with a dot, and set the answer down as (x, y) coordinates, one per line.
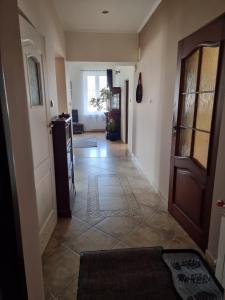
(197, 117)
(127, 109)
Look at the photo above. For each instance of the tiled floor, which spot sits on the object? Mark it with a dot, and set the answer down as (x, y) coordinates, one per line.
(115, 207)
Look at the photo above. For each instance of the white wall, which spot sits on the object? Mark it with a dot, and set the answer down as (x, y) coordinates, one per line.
(63, 103)
(104, 47)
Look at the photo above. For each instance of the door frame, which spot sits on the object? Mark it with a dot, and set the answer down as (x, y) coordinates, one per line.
(127, 109)
(13, 282)
(216, 31)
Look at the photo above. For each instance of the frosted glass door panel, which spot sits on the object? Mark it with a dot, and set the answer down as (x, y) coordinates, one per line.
(205, 109)
(201, 147)
(185, 142)
(191, 72)
(34, 77)
(188, 110)
(209, 66)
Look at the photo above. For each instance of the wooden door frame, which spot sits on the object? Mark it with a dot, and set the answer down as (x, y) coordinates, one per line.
(13, 277)
(127, 109)
(216, 31)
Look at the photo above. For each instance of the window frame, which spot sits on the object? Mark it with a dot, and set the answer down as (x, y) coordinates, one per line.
(87, 105)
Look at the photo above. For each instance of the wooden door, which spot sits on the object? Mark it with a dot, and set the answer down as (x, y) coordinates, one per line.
(34, 65)
(198, 105)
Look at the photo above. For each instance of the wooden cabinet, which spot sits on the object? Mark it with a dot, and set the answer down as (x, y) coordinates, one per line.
(113, 117)
(115, 101)
(64, 165)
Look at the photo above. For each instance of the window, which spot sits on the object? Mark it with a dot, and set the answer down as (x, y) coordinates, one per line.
(34, 76)
(94, 85)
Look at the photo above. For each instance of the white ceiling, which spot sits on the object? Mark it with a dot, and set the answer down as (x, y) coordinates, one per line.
(125, 16)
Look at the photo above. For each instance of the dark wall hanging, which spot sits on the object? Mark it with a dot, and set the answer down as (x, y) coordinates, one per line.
(109, 78)
(139, 91)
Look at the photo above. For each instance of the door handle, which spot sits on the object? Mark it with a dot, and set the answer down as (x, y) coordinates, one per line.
(50, 125)
(220, 203)
(174, 129)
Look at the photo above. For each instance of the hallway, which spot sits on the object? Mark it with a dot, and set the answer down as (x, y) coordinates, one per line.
(115, 207)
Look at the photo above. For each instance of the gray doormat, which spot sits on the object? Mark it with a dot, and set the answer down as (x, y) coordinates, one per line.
(191, 276)
(85, 142)
(125, 274)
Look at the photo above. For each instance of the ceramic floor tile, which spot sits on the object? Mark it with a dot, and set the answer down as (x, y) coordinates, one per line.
(112, 203)
(144, 236)
(148, 199)
(111, 189)
(69, 228)
(120, 245)
(117, 226)
(48, 294)
(115, 207)
(161, 220)
(80, 201)
(107, 203)
(91, 240)
(78, 206)
(70, 292)
(51, 247)
(108, 181)
(60, 268)
(143, 184)
(147, 212)
(137, 190)
(90, 219)
(181, 243)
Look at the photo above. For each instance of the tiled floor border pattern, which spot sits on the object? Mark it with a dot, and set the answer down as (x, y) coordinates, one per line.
(93, 205)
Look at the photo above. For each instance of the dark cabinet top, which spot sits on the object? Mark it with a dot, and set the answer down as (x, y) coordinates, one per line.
(62, 120)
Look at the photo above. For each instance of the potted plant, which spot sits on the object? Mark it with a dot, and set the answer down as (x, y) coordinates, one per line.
(102, 101)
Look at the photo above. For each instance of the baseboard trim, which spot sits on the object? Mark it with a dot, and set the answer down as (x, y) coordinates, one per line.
(139, 166)
(47, 230)
(94, 130)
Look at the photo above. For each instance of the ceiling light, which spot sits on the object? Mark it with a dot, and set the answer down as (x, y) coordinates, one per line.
(104, 12)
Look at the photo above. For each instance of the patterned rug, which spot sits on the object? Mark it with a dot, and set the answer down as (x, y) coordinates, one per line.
(85, 143)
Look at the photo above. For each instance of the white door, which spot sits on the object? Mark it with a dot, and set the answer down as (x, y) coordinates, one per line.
(34, 64)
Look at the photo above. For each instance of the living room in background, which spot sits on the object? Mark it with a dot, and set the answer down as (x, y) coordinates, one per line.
(95, 121)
